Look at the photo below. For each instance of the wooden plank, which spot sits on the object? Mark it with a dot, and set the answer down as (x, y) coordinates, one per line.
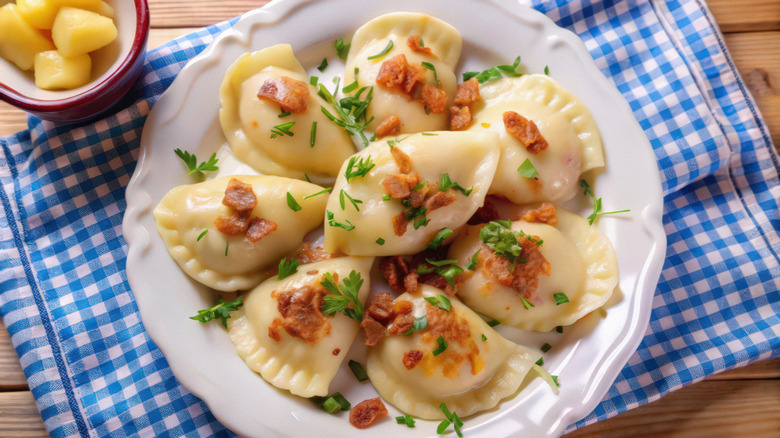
(710, 408)
(765, 369)
(188, 13)
(11, 375)
(757, 56)
(746, 15)
(19, 416)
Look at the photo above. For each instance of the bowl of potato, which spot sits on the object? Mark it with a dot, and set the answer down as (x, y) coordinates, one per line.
(70, 60)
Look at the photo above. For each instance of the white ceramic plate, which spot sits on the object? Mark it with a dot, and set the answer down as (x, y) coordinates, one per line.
(587, 357)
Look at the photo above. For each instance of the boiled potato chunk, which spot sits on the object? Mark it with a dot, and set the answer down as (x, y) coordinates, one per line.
(77, 31)
(39, 13)
(90, 5)
(54, 71)
(19, 42)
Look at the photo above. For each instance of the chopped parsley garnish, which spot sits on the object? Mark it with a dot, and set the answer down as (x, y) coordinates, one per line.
(446, 268)
(494, 72)
(503, 241)
(306, 175)
(421, 222)
(284, 114)
(440, 301)
(220, 311)
(314, 80)
(560, 298)
(318, 193)
(527, 169)
(472, 265)
(387, 198)
(540, 362)
(282, 130)
(323, 65)
(547, 70)
(446, 183)
(596, 204)
(527, 304)
(439, 239)
(334, 223)
(343, 297)
(358, 371)
(442, 346)
(388, 48)
(451, 418)
(286, 268)
(192, 162)
(350, 110)
(292, 203)
(313, 136)
(352, 200)
(405, 419)
(380, 241)
(484, 338)
(555, 379)
(420, 323)
(357, 167)
(493, 323)
(546, 347)
(432, 68)
(227, 246)
(413, 212)
(200, 236)
(333, 404)
(342, 48)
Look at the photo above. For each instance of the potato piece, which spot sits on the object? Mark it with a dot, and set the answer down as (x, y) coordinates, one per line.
(39, 13)
(19, 42)
(106, 10)
(77, 31)
(54, 71)
(89, 5)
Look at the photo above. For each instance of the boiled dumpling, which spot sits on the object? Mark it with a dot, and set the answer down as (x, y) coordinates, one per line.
(566, 257)
(282, 333)
(474, 372)
(442, 45)
(398, 207)
(574, 142)
(264, 140)
(188, 216)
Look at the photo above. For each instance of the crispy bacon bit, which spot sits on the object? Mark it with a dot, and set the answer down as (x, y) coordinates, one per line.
(439, 282)
(415, 74)
(417, 197)
(404, 318)
(392, 72)
(239, 196)
(439, 200)
(373, 330)
(460, 117)
(402, 160)
(434, 98)
(394, 269)
(545, 214)
(525, 131)
(259, 228)
(309, 253)
(336, 351)
(290, 94)
(484, 214)
(399, 224)
(412, 358)
(301, 314)
(414, 43)
(398, 186)
(467, 92)
(455, 330)
(389, 126)
(381, 306)
(233, 224)
(410, 282)
(522, 277)
(367, 412)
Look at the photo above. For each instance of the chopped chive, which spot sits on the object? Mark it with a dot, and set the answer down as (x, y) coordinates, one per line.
(351, 87)
(323, 65)
(420, 323)
(284, 114)
(493, 323)
(442, 346)
(342, 48)
(472, 265)
(428, 133)
(405, 419)
(306, 175)
(540, 362)
(380, 241)
(527, 169)
(547, 70)
(383, 52)
(387, 198)
(292, 203)
(313, 137)
(560, 298)
(201, 235)
(282, 130)
(331, 406)
(439, 239)
(527, 304)
(484, 338)
(314, 80)
(318, 193)
(555, 379)
(440, 301)
(227, 246)
(546, 347)
(447, 183)
(358, 371)
(432, 68)
(352, 201)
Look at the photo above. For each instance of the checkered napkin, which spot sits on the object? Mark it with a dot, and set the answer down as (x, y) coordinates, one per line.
(64, 295)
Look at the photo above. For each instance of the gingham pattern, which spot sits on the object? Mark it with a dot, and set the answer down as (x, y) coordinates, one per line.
(93, 370)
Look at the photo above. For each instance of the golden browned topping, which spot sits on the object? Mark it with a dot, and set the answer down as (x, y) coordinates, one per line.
(392, 72)
(239, 196)
(367, 412)
(415, 74)
(412, 358)
(484, 214)
(415, 43)
(373, 330)
(455, 330)
(259, 228)
(460, 117)
(545, 214)
(381, 307)
(401, 275)
(309, 253)
(439, 200)
(522, 277)
(399, 185)
(410, 282)
(525, 131)
(389, 126)
(399, 224)
(467, 92)
(434, 99)
(403, 317)
(233, 224)
(290, 94)
(394, 269)
(301, 314)
(402, 160)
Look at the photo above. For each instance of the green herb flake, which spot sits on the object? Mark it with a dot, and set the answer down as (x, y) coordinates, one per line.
(292, 203)
(220, 311)
(352, 200)
(405, 419)
(472, 265)
(527, 304)
(420, 323)
(286, 268)
(314, 80)
(547, 70)
(358, 168)
(555, 379)
(318, 193)
(358, 371)
(502, 240)
(191, 161)
(447, 183)
(380, 241)
(431, 134)
(560, 298)
(335, 403)
(387, 198)
(432, 68)
(200, 236)
(334, 223)
(484, 338)
(421, 222)
(493, 323)
(384, 52)
(439, 239)
(306, 175)
(351, 87)
(527, 169)
(450, 418)
(540, 362)
(343, 297)
(495, 72)
(546, 347)
(323, 65)
(282, 130)
(596, 204)
(313, 135)
(350, 110)
(440, 301)
(442, 346)
(342, 48)
(227, 246)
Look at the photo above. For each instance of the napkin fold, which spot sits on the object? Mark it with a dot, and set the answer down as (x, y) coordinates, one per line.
(94, 371)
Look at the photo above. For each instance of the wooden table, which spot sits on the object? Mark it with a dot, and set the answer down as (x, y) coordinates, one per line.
(741, 402)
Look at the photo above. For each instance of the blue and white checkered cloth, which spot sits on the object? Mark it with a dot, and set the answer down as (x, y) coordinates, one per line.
(64, 295)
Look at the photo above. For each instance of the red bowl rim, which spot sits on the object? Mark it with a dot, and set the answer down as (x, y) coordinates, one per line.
(137, 50)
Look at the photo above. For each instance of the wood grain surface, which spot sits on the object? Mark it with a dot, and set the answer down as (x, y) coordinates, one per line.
(741, 402)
